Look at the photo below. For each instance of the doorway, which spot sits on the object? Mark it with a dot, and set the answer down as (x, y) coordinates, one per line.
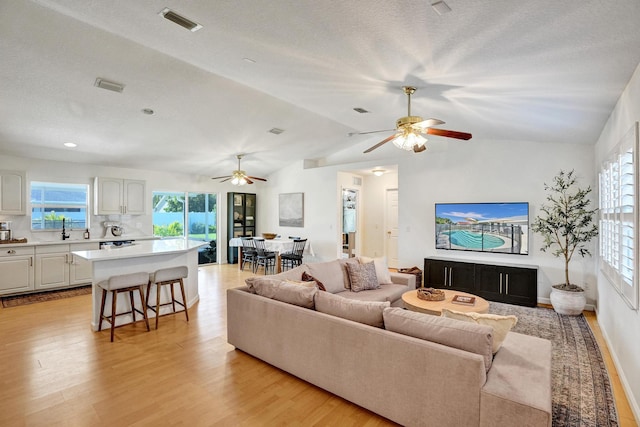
(349, 222)
(391, 227)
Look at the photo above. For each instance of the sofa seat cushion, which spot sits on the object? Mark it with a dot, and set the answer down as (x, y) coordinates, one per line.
(367, 312)
(452, 333)
(389, 293)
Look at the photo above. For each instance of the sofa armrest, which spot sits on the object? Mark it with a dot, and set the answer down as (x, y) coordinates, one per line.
(409, 280)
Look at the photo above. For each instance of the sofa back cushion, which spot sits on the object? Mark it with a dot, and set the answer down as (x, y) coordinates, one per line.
(297, 293)
(367, 312)
(466, 336)
(330, 273)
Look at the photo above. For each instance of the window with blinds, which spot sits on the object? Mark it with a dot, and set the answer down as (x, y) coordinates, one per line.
(618, 217)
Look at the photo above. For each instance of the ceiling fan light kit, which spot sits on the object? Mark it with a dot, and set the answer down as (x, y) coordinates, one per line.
(409, 130)
(238, 176)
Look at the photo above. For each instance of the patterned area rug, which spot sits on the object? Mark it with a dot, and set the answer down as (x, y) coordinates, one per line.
(17, 300)
(582, 394)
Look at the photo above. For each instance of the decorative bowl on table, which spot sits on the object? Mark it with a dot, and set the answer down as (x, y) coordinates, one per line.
(269, 236)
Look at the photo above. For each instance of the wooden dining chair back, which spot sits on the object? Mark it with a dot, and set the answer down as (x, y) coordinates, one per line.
(293, 258)
(248, 252)
(264, 258)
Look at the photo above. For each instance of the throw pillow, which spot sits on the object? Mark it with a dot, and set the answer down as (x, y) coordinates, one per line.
(382, 269)
(462, 335)
(345, 275)
(283, 291)
(309, 278)
(367, 312)
(501, 324)
(362, 276)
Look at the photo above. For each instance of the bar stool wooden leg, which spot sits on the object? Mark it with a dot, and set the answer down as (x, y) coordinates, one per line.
(114, 300)
(104, 299)
(184, 299)
(157, 310)
(144, 307)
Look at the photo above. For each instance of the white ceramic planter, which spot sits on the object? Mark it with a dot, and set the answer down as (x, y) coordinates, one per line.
(567, 302)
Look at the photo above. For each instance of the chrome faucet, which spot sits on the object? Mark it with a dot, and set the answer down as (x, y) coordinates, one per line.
(65, 236)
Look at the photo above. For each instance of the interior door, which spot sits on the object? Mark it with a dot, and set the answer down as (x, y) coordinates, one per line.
(391, 227)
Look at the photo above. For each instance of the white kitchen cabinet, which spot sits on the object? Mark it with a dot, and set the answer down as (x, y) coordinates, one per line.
(56, 267)
(12, 193)
(119, 196)
(80, 271)
(16, 270)
(52, 267)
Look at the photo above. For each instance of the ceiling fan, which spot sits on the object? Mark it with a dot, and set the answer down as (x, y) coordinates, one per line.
(238, 176)
(409, 130)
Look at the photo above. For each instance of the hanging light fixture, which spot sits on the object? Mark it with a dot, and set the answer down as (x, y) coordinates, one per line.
(409, 140)
(378, 172)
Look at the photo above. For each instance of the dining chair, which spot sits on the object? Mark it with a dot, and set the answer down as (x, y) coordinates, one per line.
(264, 258)
(248, 252)
(294, 257)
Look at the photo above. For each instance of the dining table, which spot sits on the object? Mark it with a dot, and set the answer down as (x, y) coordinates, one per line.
(276, 245)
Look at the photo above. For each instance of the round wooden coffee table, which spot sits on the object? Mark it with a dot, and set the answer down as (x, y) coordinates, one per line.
(413, 303)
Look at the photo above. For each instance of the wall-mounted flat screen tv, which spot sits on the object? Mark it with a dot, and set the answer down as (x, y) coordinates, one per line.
(483, 227)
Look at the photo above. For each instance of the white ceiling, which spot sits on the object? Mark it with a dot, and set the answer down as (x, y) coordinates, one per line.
(540, 70)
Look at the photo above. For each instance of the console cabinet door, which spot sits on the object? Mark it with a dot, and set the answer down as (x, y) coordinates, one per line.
(457, 276)
(511, 285)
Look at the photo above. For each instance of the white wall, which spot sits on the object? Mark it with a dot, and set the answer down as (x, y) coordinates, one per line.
(621, 325)
(373, 212)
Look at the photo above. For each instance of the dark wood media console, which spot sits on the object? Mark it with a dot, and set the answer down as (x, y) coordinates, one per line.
(500, 283)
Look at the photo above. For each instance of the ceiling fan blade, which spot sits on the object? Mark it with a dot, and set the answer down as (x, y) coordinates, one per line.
(226, 179)
(256, 178)
(448, 133)
(248, 180)
(381, 143)
(371, 131)
(419, 148)
(220, 177)
(428, 123)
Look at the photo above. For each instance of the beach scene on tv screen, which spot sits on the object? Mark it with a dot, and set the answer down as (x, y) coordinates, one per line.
(483, 227)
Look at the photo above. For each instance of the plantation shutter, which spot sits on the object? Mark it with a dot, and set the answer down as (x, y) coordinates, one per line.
(618, 217)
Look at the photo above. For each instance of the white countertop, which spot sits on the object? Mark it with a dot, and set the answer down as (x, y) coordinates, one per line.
(75, 241)
(142, 249)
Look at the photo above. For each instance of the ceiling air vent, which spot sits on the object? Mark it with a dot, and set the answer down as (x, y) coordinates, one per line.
(106, 84)
(357, 180)
(360, 110)
(172, 16)
(276, 131)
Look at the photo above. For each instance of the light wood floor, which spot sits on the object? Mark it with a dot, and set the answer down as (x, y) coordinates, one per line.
(57, 372)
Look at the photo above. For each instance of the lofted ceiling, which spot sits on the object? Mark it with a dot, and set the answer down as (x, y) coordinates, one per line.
(548, 71)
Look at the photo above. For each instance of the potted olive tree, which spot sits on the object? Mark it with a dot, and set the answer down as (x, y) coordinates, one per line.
(567, 225)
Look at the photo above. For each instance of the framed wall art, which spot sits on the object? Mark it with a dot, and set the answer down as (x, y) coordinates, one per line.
(291, 210)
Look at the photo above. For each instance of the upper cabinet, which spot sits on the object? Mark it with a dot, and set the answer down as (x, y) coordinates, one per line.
(119, 196)
(12, 193)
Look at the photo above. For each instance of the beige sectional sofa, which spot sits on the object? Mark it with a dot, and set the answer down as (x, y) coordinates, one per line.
(420, 371)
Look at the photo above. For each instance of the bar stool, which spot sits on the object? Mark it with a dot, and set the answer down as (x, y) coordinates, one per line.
(168, 276)
(116, 285)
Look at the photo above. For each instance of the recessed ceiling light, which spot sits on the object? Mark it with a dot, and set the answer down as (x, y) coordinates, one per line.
(148, 111)
(441, 7)
(187, 23)
(276, 131)
(106, 84)
(70, 145)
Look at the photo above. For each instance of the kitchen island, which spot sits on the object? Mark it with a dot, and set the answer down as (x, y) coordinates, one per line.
(142, 256)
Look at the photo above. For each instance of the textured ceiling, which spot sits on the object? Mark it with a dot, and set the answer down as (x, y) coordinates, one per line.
(541, 70)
